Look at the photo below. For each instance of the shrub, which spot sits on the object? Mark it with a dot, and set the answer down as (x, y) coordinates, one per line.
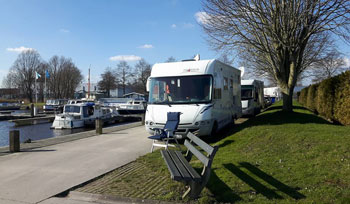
(311, 97)
(326, 97)
(303, 96)
(342, 99)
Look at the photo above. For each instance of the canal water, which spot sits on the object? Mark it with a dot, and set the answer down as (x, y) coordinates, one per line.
(33, 132)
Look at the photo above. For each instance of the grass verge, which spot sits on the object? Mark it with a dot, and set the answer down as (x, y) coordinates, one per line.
(273, 157)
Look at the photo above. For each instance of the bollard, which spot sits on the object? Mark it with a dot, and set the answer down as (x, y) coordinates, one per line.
(98, 124)
(32, 110)
(14, 141)
(143, 119)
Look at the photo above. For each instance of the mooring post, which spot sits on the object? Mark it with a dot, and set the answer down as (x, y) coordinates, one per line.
(14, 141)
(32, 110)
(98, 125)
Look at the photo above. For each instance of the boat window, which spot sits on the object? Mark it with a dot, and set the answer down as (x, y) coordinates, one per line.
(181, 89)
(72, 109)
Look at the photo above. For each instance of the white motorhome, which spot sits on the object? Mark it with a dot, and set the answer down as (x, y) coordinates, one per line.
(252, 95)
(206, 92)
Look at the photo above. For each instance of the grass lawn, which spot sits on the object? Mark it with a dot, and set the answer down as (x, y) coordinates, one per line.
(275, 157)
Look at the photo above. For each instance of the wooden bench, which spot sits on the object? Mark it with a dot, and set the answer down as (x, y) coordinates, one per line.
(181, 170)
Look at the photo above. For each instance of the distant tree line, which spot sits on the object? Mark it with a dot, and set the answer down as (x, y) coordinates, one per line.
(62, 76)
(124, 75)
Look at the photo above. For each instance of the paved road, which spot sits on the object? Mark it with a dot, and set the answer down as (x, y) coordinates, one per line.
(34, 176)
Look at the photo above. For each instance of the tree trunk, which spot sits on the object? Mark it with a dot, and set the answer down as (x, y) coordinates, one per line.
(288, 100)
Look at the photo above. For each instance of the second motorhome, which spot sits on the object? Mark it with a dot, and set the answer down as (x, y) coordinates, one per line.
(206, 92)
(252, 94)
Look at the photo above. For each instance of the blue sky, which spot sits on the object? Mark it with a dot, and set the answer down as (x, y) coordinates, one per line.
(93, 32)
(99, 32)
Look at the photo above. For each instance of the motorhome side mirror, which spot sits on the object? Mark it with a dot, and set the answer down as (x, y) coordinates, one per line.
(148, 84)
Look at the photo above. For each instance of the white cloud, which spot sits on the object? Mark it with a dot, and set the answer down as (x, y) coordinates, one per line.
(64, 30)
(125, 58)
(146, 46)
(173, 26)
(202, 17)
(20, 49)
(188, 25)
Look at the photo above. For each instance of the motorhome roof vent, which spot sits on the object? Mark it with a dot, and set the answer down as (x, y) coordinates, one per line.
(196, 58)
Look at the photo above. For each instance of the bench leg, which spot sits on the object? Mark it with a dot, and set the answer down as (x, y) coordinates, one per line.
(194, 190)
(152, 146)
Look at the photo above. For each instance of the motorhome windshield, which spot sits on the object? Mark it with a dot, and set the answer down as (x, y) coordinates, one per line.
(72, 109)
(180, 90)
(246, 92)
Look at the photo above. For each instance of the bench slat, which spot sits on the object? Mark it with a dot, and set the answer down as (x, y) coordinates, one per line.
(175, 175)
(180, 166)
(209, 149)
(197, 153)
(195, 176)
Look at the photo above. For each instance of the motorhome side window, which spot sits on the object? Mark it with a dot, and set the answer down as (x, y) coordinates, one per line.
(180, 89)
(225, 83)
(217, 93)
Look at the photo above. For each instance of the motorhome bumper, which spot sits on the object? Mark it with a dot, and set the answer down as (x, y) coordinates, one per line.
(183, 130)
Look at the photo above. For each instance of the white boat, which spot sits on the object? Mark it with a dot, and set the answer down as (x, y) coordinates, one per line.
(54, 105)
(125, 106)
(80, 115)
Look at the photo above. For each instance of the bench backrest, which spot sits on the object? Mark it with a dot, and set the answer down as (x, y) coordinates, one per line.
(206, 160)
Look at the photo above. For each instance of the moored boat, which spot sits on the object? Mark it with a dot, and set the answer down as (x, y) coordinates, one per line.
(9, 106)
(80, 115)
(125, 106)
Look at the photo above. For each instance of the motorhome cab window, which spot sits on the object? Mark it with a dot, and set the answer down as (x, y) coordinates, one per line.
(246, 92)
(180, 90)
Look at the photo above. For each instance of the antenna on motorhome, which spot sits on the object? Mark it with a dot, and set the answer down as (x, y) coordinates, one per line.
(197, 57)
(242, 71)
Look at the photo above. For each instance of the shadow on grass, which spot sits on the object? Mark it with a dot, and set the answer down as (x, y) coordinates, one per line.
(273, 116)
(222, 192)
(256, 185)
(272, 181)
(259, 187)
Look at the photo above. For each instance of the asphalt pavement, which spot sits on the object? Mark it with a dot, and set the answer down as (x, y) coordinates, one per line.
(35, 175)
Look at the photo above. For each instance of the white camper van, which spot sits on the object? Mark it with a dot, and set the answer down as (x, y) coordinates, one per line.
(206, 92)
(252, 94)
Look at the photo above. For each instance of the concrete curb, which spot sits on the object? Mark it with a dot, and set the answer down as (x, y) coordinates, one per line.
(67, 138)
(90, 197)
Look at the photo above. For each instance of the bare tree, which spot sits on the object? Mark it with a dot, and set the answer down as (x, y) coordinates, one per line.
(124, 74)
(141, 74)
(64, 77)
(23, 72)
(171, 59)
(280, 38)
(331, 64)
(108, 81)
(225, 59)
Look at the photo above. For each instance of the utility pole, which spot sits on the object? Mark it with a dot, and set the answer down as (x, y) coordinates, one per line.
(89, 83)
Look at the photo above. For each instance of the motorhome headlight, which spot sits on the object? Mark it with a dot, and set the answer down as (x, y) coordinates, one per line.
(202, 122)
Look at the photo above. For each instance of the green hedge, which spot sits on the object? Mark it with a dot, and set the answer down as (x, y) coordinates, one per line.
(311, 97)
(303, 96)
(342, 99)
(330, 98)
